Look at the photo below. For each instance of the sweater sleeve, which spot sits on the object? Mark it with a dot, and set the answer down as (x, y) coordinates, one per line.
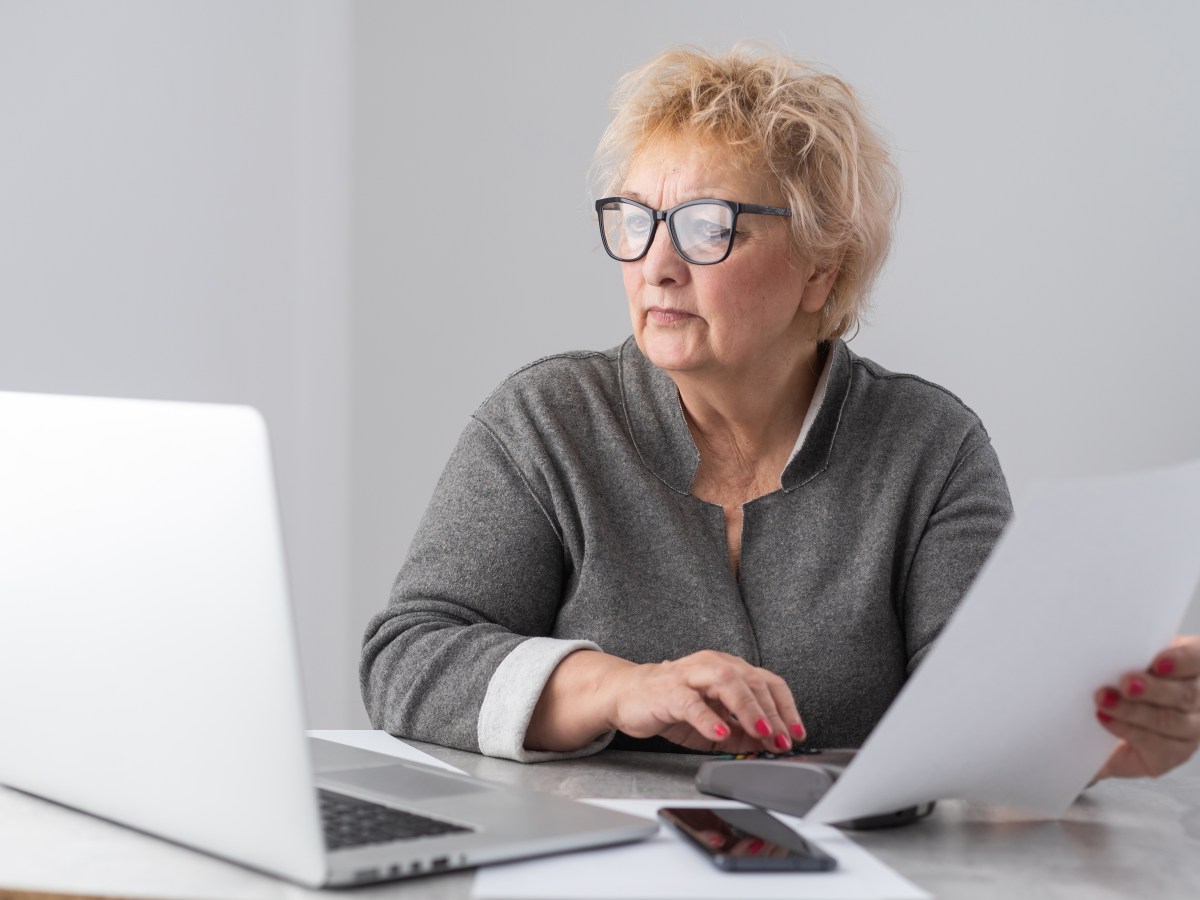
(965, 524)
(461, 653)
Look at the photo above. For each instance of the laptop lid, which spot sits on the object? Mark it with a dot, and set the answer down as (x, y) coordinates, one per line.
(144, 620)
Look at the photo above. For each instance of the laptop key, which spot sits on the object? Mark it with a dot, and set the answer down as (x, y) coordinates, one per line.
(350, 822)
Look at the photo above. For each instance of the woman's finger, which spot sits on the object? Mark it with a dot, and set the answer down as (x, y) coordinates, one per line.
(1164, 721)
(775, 696)
(723, 682)
(1180, 660)
(777, 737)
(731, 720)
(689, 705)
(786, 705)
(1144, 754)
(774, 718)
(1182, 694)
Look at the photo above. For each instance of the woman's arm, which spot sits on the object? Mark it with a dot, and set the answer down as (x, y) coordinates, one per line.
(966, 521)
(484, 573)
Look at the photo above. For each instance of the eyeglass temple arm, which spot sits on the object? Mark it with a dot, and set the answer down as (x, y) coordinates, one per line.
(763, 210)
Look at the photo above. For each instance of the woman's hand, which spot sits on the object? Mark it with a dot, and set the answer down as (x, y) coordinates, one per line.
(707, 701)
(1156, 713)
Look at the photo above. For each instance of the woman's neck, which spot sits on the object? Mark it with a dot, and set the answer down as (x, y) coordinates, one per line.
(741, 421)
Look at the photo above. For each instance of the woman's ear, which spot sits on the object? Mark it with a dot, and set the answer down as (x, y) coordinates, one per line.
(820, 284)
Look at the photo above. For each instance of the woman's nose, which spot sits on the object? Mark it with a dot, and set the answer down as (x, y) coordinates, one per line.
(662, 264)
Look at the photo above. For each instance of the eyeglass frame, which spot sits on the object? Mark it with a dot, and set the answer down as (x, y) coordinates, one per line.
(667, 215)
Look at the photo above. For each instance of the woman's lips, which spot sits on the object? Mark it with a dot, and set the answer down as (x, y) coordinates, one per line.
(662, 316)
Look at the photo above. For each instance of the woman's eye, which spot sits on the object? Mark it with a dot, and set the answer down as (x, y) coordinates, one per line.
(710, 232)
(637, 224)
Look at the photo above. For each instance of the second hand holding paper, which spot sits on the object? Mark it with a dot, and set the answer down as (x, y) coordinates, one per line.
(1090, 580)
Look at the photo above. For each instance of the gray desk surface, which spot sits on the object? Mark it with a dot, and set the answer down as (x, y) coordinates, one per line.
(1122, 839)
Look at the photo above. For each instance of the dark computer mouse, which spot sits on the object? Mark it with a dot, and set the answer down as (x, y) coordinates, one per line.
(791, 784)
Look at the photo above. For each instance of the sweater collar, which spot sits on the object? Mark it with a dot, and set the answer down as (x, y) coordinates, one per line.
(654, 416)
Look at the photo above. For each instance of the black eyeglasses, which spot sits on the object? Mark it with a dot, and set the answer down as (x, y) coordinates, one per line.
(701, 230)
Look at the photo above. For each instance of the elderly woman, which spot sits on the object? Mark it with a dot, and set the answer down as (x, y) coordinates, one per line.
(730, 532)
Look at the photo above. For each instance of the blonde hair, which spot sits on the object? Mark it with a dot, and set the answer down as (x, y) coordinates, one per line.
(801, 128)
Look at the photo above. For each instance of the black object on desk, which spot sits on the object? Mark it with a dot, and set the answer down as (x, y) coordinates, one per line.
(791, 783)
(746, 840)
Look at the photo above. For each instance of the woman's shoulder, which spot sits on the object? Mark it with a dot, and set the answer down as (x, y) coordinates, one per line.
(560, 383)
(583, 366)
(905, 394)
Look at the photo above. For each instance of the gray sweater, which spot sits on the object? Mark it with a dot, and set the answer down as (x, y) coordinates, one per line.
(563, 520)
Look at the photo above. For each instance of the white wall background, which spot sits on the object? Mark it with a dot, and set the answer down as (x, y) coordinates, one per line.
(285, 202)
(174, 198)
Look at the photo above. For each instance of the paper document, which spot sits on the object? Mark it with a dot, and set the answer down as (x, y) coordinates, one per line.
(665, 868)
(382, 742)
(1090, 580)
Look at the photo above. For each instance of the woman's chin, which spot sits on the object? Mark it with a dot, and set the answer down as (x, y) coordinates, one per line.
(670, 354)
(671, 359)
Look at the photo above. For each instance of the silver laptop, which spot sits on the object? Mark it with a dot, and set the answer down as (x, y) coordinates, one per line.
(148, 664)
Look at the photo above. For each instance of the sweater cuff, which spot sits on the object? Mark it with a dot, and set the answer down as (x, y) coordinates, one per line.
(513, 692)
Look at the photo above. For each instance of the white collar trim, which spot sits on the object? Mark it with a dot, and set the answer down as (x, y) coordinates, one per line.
(814, 406)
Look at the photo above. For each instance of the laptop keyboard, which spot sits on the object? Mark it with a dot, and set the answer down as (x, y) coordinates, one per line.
(350, 822)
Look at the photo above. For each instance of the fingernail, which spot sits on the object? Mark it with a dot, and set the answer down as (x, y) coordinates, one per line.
(1103, 716)
(1137, 687)
(1164, 666)
(1110, 698)
(762, 727)
(720, 730)
(798, 731)
(756, 846)
(781, 742)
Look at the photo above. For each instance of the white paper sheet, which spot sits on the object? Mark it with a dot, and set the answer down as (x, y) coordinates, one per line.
(1090, 580)
(382, 742)
(665, 868)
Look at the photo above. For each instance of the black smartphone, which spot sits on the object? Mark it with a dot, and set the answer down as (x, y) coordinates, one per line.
(746, 840)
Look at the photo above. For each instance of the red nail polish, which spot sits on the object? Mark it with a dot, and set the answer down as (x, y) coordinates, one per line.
(1103, 716)
(1137, 687)
(1110, 698)
(781, 742)
(798, 732)
(720, 730)
(755, 846)
(762, 727)
(1164, 666)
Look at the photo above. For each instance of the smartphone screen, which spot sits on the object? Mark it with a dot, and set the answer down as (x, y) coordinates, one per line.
(744, 840)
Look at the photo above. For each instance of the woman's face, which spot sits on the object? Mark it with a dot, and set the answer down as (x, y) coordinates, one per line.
(757, 307)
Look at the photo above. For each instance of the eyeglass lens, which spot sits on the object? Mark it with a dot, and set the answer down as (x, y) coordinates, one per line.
(701, 231)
